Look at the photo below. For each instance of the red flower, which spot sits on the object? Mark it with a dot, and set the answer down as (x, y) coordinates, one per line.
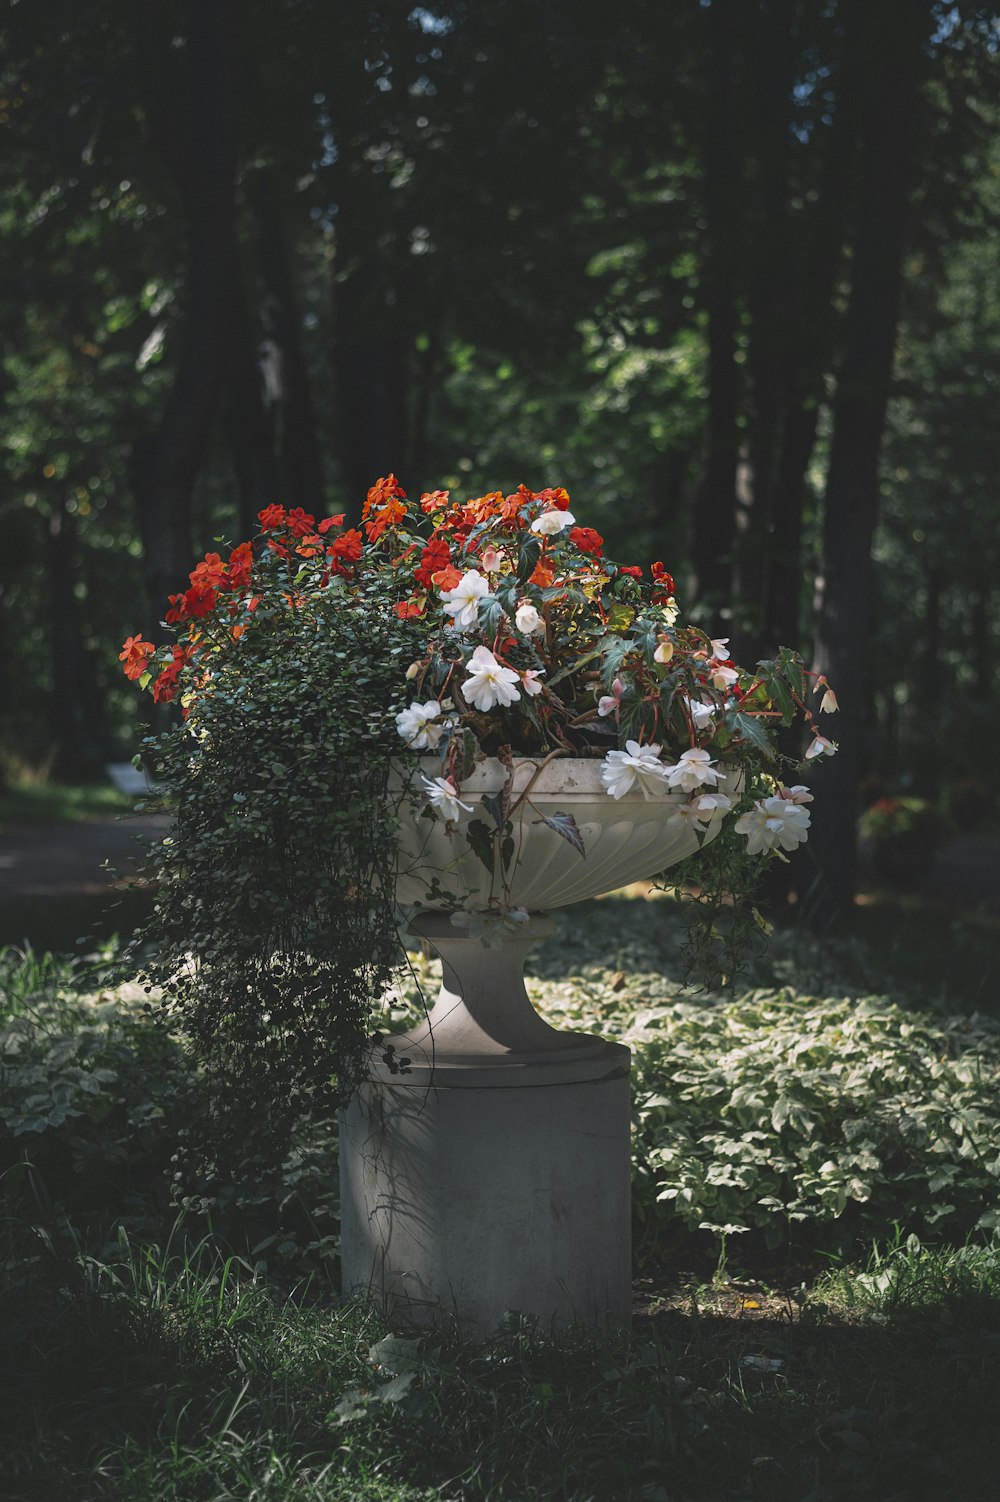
(632, 571)
(404, 608)
(346, 548)
(299, 522)
(662, 578)
(200, 600)
(331, 521)
(436, 555)
(238, 568)
(165, 687)
(587, 540)
(135, 654)
(271, 517)
(434, 500)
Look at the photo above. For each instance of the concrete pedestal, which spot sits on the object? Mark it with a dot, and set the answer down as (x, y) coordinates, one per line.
(493, 1174)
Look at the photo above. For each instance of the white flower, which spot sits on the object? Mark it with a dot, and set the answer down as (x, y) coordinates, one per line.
(416, 725)
(620, 770)
(664, 651)
(709, 805)
(462, 602)
(720, 648)
(442, 794)
(670, 611)
(527, 619)
(683, 814)
(701, 712)
(828, 704)
(489, 682)
(821, 747)
(491, 925)
(774, 821)
(491, 560)
(798, 794)
(611, 703)
(721, 676)
(530, 683)
(694, 769)
(413, 670)
(552, 522)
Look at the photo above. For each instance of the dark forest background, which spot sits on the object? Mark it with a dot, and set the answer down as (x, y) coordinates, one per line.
(726, 269)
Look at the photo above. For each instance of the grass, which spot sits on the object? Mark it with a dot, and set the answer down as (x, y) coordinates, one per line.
(159, 1375)
(162, 1363)
(57, 802)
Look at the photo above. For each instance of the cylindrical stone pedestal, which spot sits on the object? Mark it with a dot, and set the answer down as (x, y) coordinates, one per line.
(492, 1175)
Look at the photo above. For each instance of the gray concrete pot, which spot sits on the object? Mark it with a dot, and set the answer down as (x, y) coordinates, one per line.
(492, 1173)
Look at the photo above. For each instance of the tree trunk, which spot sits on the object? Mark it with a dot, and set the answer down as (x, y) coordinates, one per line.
(165, 464)
(371, 368)
(887, 39)
(714, 537)
(288, 387)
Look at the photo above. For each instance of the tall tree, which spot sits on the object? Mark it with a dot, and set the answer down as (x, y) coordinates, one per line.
(889, 44)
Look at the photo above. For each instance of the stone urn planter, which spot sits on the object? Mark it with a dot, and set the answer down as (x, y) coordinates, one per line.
(491, 1174)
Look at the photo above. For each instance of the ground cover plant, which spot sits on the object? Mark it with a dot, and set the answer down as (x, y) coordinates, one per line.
(175, 1339)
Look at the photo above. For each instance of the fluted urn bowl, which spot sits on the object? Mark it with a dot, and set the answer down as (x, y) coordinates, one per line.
(625, 840)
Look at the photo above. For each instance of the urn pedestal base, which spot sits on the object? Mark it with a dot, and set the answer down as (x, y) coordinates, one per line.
(493, 1174)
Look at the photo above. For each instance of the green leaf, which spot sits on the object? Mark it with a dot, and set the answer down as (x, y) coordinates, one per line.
(494, 806)
(490, 614)
(566, 826)
(528, 555)
(752, 731)
(480, 838)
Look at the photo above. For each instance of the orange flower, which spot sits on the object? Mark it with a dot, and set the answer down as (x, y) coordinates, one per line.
(435, 556)
(434, 500)
(209, 574)
(557, 498)
(271, 517)
(389, 514)
(382, 493)
(135, 654)
(447, 577)
(331, 521)
(542, 574)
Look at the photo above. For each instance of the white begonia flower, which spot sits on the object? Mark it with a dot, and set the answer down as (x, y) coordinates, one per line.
(491, 926)
(491, 560)
(798, 794)
(462, 602)
(721, 676)
(710, 805)
(413, 670)
(774, 821)
(417, 725)
(701, 712)
(693, 770)
(442, 794)
(527, 619)
(530, 683)
(664, 651)
(720, 648)
(670, 610)
(551, 523)
(821, 747)
(828, 704)
(489, 682)
(611, 703)
(683, 814)
(621, 770)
